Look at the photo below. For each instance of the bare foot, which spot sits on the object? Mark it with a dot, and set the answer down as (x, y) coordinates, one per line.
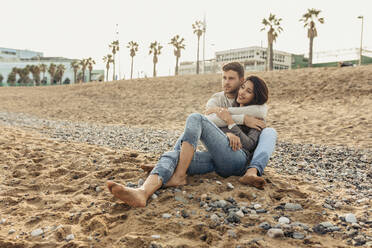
(132, 197)
(176, 181)
(253, 180)
(147, 167)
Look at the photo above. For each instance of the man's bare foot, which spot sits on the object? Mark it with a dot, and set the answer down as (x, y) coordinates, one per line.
(176, 181)
(253, 180)
(132, 197)
(147, 167)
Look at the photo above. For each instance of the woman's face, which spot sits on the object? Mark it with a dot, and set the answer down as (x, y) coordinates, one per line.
(246, 93)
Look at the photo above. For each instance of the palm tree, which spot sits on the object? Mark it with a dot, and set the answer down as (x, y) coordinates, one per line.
(35, 71)
(308, 19)
(133, 47)
(59, 73)
(52, 71)
(107, 59)
(43, 69)
(274, 28)
(198, 27)
(84, 65)
(23, 75)
(155, 49)
(1, 79)
(75, 65)
(91, 62)
(178, 45)
(12, 76)
(115, 47)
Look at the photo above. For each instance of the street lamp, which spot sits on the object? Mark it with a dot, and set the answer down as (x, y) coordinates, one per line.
(361, 41)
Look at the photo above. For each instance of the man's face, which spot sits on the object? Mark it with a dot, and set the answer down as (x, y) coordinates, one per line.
(231, 82)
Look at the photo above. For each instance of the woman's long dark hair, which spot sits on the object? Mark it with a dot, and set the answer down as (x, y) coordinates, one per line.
(260, 91)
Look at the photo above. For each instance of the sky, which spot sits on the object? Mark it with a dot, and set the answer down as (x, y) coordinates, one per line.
(84, 28)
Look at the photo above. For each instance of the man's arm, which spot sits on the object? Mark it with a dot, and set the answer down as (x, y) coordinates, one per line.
(238, 113)
(259, 111)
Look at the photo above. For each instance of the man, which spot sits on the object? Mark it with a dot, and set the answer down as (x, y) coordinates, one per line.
(232, 79)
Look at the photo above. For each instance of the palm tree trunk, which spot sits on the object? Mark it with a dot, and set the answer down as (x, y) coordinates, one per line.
(176, 71)
(271, 65)
(197, 58)
(131, 69)
(154, 70)
(107, 72)
(74, 77)
(90, 75)
(311, 51)
(113, 74)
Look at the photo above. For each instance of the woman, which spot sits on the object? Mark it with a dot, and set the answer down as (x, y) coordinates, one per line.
(229, 150)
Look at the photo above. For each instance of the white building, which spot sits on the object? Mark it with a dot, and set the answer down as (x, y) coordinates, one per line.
(252, 58)
(10, 58)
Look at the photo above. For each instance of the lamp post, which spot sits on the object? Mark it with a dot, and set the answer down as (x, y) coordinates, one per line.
(361, 41)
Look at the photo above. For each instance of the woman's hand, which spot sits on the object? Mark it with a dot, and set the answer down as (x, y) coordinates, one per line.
(214, 110)
(234, 141)
(225, 115)
(254, 122)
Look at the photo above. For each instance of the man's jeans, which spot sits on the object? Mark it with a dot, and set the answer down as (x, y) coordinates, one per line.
(219, 156)
(264, 149)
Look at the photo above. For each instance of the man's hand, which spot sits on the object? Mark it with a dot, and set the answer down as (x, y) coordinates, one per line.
(254, 122)
(225, 115)
(234, 141)
(214, 110)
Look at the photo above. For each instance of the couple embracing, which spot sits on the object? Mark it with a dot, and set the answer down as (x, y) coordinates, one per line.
(233, 132)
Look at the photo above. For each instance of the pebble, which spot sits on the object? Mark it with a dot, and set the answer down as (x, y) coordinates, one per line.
(265, 225)
(218, 182)
(140, 182)
(231, 233)
(221, 203)
(215, 218)
(230, 186)
(11, 231)
(155, 236)
(166, 216)
(257, 206)
(240, 214)
(326, 224)
(2, 221)
(350, 218)
(297, 235)
(154, 196)
(284, 220)
(70, 237)
(37, 232)
(292, 206)
(98, 189)
(275, 233)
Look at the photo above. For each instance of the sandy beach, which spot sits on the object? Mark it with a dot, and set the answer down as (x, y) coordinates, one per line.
(60, 144)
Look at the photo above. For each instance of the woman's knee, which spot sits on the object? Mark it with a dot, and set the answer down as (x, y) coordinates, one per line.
(269, 131)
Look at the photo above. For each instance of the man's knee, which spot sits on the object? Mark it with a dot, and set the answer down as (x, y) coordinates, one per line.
(194, 117)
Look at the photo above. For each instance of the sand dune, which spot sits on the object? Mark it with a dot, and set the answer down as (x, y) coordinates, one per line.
(323, 106)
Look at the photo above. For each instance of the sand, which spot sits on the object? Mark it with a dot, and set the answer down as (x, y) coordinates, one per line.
(59, 186)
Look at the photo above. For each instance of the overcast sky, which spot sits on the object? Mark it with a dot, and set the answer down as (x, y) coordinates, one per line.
(84, 28)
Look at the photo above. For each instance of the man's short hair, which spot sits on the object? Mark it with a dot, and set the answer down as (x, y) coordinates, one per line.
(234, 66)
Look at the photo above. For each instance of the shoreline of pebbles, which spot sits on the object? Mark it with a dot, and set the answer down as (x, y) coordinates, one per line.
(320, 165)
